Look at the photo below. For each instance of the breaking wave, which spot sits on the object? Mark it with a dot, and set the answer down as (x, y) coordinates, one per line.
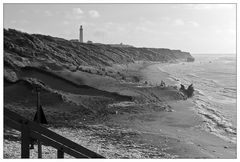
(214, 121)
(215, 92)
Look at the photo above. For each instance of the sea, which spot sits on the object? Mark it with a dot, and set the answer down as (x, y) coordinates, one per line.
(214, 78)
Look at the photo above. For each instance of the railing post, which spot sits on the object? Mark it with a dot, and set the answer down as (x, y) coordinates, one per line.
(39, 149)
(25, 141)
(60, 154)
(38, 121)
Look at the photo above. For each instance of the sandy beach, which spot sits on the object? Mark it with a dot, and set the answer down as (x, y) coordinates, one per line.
(156, 128)
(183, 122)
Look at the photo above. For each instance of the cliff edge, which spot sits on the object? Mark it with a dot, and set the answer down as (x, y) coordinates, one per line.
(23, 49)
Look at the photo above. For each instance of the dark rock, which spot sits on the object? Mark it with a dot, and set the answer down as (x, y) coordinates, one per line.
(187, 92)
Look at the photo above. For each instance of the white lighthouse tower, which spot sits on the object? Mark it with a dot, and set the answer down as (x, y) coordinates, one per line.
(81, 34)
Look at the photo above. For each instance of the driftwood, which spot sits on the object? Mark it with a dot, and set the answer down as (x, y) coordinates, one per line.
(188, 92)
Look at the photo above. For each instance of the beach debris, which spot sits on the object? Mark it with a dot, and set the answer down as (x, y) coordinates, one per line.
(162, 85)
(175, 87)
(225, 147)
(182, 88)
(190, 90)
(187, 92)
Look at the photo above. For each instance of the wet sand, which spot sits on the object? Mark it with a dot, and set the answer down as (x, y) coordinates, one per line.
(184, 125)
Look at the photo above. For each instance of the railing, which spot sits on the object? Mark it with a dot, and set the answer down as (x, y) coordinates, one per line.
(32, 130)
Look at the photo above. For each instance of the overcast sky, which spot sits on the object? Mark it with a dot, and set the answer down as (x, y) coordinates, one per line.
(195, 28)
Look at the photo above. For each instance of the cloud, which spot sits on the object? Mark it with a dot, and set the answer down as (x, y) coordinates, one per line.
(24, 21)
(75, 14)
(232, 31)
(100, 33)
(179, 22)
(22, 11)
(21, 22)
(113, 27)
(77, 11)
(193, 23)
(209, 6)
(94, 13)
(37, 11)
(165, 19)
(13, 21)
(65, 22)
(48, 13)
(142, 29)
(145, 25)
(226, 31)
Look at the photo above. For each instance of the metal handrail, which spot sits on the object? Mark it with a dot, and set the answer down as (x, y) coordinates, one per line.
(32, 130)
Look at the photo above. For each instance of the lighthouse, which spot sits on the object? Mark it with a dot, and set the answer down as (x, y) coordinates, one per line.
(81, 34)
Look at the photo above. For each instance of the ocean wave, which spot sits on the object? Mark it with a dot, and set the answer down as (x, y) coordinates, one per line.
(161, 69)
(192, 75)
(223, 73)
(199, 92)
(229, 90)
(216, 122)
(223, 99)
(212, 91)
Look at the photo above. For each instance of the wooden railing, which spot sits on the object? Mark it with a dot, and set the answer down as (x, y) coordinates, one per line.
(32, 130)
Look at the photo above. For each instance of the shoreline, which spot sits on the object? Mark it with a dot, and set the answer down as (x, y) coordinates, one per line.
(146, 131)
(217, 149)
(214, 108)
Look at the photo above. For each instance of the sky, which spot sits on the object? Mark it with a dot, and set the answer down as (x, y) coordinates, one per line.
(194, 28)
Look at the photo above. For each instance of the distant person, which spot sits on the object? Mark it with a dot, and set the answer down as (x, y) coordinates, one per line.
(190, 90)
(162, 84)
(182, 88)
(187, 92)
